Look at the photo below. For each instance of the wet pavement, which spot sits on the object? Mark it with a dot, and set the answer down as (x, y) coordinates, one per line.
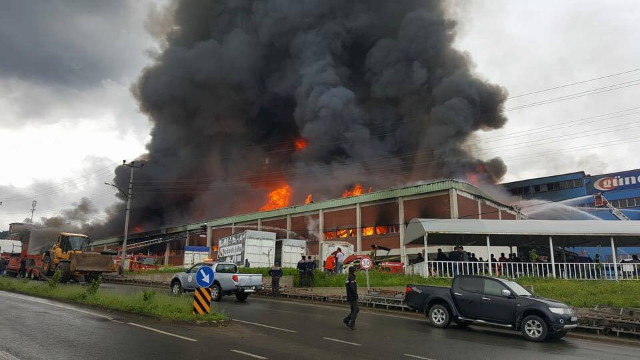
(263, 328)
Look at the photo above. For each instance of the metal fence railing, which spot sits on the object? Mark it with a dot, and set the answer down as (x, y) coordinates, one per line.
(579, 271)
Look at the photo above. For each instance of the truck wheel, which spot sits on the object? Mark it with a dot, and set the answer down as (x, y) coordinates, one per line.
(439, 316)
(216, 292)
(176, 288)
(47, 265)
(240, 296)
(32, 275)
(534, 328)
(65, 270)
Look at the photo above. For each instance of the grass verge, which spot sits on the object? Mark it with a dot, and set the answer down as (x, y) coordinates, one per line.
(576, 293)
(145, 303)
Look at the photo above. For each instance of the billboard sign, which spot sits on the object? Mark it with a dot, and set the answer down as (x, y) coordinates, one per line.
(615, 181)
(231, 248)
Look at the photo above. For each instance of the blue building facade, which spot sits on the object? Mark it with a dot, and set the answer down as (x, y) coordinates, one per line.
(621, 190)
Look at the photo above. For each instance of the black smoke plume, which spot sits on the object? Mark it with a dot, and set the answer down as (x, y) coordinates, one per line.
(375, 87)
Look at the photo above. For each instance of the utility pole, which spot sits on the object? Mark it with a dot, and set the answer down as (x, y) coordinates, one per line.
(33, 209)
(123, 255)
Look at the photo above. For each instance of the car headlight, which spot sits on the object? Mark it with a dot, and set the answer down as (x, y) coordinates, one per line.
(561, 311)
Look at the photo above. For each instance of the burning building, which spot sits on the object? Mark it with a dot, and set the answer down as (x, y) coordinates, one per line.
(259, 103)
(366, 219)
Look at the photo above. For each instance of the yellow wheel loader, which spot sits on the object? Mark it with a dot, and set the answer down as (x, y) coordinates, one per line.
(69, 256)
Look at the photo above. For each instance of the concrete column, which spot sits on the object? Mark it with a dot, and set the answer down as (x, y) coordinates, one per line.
(288, 226)
(426, 257)
(104, 248)
(92, 248)
(489, 255)
(209, 240)
(401, 227)
(259, 224)
(479, 210)
(615, 261)
(358, 229)
(233, 228)
(320, 231)
(186, 241)
(166, 254)
(453, 203)
(499, 214)
(553, 258)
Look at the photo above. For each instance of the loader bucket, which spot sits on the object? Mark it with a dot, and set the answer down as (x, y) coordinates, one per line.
(92, 262)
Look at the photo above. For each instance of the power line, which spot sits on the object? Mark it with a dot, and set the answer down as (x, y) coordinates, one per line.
(577, 95)
(575, 83)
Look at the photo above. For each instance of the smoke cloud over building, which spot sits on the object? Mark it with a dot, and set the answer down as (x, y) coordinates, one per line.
(252, 96)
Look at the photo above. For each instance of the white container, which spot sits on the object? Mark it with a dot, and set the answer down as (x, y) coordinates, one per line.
(194, 255)
(256, 247)
(290, 251)
(330, 246)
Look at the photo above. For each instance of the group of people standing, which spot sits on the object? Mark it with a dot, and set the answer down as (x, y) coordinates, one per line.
(335, 262)
(305, 267)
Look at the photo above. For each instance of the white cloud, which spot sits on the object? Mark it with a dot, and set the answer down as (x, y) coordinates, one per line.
(528, 46)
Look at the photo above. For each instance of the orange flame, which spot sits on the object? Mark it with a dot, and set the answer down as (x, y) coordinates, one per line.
(308, 199)
(300, 144)
(367, 231)
(138, 229)
(381, 230)
(278, 198)
(358, 189)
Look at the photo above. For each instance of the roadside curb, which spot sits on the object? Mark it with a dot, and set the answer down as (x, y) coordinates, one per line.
(602, 338)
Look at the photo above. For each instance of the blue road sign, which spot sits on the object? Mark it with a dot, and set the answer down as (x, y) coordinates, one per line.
(204, 277)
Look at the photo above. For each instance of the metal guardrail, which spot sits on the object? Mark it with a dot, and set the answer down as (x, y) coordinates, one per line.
(576, 271)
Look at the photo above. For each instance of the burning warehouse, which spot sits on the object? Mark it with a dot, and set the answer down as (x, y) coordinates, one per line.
(361, 220)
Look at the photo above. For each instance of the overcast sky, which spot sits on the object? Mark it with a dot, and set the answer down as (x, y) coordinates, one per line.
(67, 117)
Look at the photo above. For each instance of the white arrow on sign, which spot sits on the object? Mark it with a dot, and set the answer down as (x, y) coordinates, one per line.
(205, 276)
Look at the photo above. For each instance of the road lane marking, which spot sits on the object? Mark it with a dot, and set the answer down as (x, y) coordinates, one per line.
(6, 356)
(417, 357)
(342, 341)
(58, 305)
(265, 326)
(337, 307)
(248, 354)
(162, 332)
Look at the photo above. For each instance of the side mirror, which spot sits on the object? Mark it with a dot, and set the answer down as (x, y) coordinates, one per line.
(506, 293)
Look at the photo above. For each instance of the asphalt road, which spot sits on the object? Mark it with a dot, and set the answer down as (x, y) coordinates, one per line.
(263, 328)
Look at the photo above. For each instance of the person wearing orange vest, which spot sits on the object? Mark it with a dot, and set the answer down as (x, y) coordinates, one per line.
(330, 264)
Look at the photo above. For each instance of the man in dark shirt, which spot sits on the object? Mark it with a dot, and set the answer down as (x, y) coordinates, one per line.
(276, 273)
(352, 298)
(310, 267)
(302, 270)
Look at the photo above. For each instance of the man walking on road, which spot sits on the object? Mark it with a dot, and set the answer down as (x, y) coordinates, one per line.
(276, 273)
(352, 298)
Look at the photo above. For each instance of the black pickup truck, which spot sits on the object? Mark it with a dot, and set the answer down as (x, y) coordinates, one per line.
(492, 301)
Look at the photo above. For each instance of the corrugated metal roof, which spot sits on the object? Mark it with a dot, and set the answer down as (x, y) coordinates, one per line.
(519, 232)
(392, 193)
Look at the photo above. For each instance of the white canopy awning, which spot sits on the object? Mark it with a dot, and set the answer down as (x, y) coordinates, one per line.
(523, 232)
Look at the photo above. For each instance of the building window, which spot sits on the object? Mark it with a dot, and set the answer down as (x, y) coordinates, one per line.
(536, 188)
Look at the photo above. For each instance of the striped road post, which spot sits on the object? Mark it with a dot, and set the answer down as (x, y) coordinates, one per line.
(202, 301)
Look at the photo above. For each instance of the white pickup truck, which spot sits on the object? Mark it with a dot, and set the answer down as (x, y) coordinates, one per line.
(226, 281)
